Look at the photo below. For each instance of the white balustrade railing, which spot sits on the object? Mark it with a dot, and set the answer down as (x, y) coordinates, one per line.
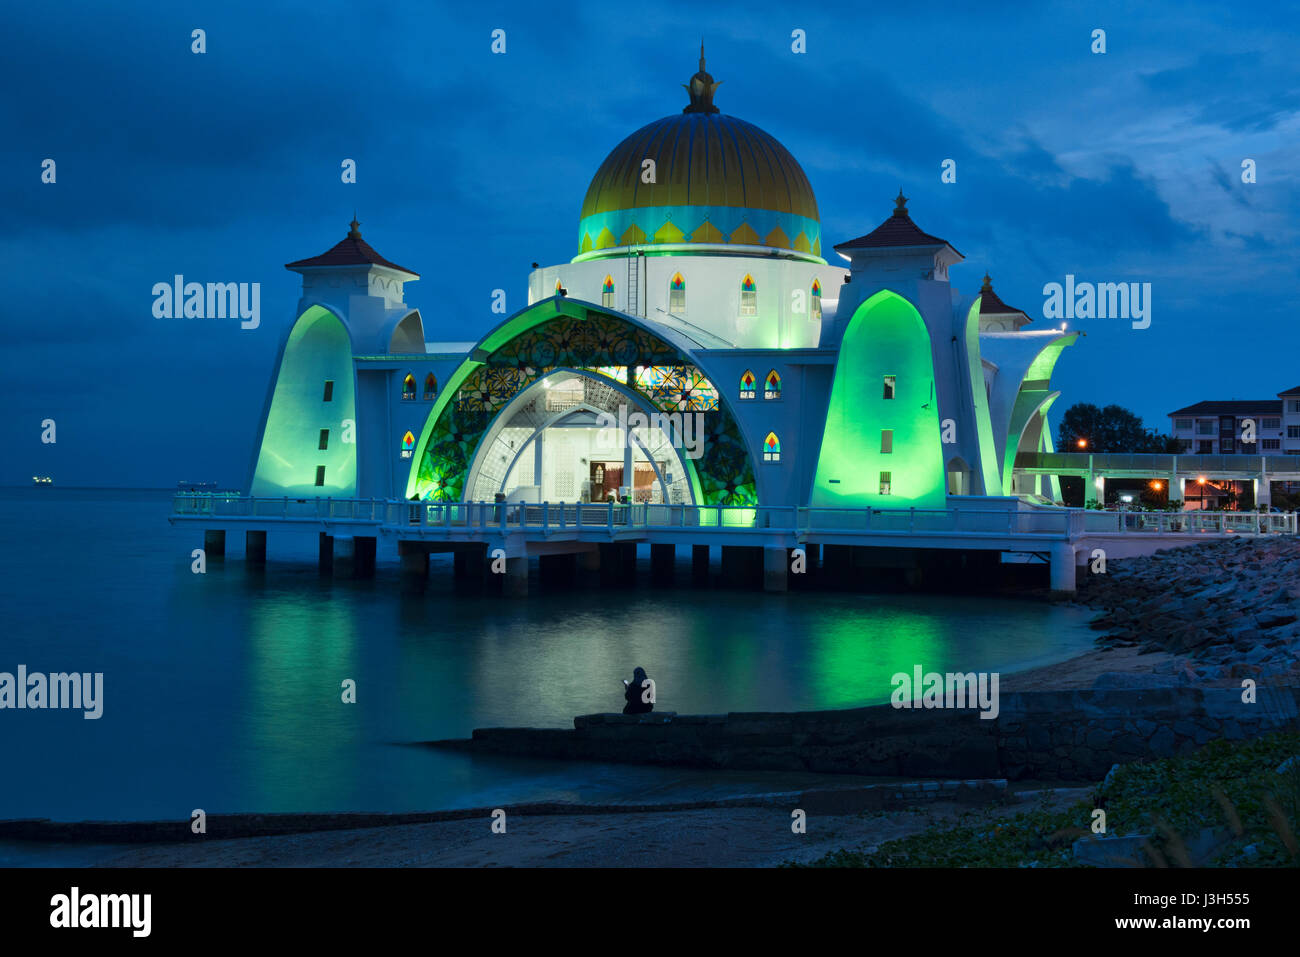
(556, 517)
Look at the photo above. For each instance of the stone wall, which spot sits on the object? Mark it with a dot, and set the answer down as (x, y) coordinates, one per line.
(1063, 735)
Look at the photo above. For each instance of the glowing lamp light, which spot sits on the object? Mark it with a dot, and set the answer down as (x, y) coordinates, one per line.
(1083, 443)
(1156, 486)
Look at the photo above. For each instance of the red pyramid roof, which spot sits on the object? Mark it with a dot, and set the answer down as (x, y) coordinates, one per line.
(897, 230)
(351, 251)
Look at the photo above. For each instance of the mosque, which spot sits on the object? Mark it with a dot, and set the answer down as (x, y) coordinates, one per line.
(764, 372)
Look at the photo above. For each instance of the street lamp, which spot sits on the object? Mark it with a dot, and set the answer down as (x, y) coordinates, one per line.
(1201, 500)
(1083, 443)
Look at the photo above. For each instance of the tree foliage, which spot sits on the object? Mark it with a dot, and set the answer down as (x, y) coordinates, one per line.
(1110, 429)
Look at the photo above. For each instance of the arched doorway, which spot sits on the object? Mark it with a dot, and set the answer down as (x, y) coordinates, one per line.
(576, 437)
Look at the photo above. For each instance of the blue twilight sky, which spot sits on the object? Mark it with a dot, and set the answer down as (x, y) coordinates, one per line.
(224, 166)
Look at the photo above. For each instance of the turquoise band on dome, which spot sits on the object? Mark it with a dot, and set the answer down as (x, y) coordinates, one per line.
(735, 225)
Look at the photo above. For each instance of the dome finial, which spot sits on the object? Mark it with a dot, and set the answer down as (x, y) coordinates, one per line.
(988, 284)
(355, 231)
(900, 203)
(701, 89)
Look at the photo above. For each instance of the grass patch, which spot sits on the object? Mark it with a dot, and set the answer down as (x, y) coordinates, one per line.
(1231, 788)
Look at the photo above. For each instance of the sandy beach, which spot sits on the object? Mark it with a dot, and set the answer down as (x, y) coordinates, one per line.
(714, 837)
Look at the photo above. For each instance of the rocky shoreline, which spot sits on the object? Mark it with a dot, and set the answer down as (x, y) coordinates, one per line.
(1227, 610)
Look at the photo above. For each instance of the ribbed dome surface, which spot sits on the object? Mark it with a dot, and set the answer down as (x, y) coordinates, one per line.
(701, 159)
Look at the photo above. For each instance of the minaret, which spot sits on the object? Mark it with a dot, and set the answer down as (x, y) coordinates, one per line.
(360, 286)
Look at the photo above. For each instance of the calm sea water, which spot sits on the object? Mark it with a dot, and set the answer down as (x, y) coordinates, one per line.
(222, 691)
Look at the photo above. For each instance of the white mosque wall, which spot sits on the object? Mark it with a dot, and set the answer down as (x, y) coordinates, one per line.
(785, 317)
(797, 417)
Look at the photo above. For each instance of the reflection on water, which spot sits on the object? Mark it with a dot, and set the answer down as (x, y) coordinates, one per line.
(223, 691)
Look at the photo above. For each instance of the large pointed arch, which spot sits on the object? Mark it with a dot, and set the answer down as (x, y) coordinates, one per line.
(408, 335)
(1028, 419)
(885, 336)
(566, 333)
(317, 350)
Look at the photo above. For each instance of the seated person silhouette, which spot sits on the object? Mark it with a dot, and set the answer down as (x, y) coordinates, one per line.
(639, 693)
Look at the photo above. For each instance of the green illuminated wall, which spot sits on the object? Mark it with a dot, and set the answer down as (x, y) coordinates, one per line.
(886, 336)
(318, 348)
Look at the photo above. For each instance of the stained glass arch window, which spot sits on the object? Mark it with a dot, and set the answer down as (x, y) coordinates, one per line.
(408, 388)
(408, 442)
(747, 381)
(771, 448)
(677, 293)
(607, 292)
(772, 385)
(430, 386)
(748, 296)
(815, 294)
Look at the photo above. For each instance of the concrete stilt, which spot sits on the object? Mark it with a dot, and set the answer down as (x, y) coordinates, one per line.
(589, 561)
(255, 547)
(800, 569)
(1063, 569)
(415, 561)
(515, 580)
(775, 568)
(700, 564)
(662, 560)
(345, 556)
(326, 554)
(214, 543)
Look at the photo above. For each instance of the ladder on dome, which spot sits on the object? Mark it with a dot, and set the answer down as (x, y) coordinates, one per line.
(633, 285)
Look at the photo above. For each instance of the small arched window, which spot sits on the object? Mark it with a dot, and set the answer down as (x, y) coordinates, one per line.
(430, 386)
(748, 296)
(559, 287)
(772, 385)
(677, 293)
(408, 442)
(747, 381)
(408, 388)
(771, 448)
(607, 292)
(815, 307)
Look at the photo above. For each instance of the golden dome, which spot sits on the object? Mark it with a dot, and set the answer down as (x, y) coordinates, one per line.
(700, 176)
